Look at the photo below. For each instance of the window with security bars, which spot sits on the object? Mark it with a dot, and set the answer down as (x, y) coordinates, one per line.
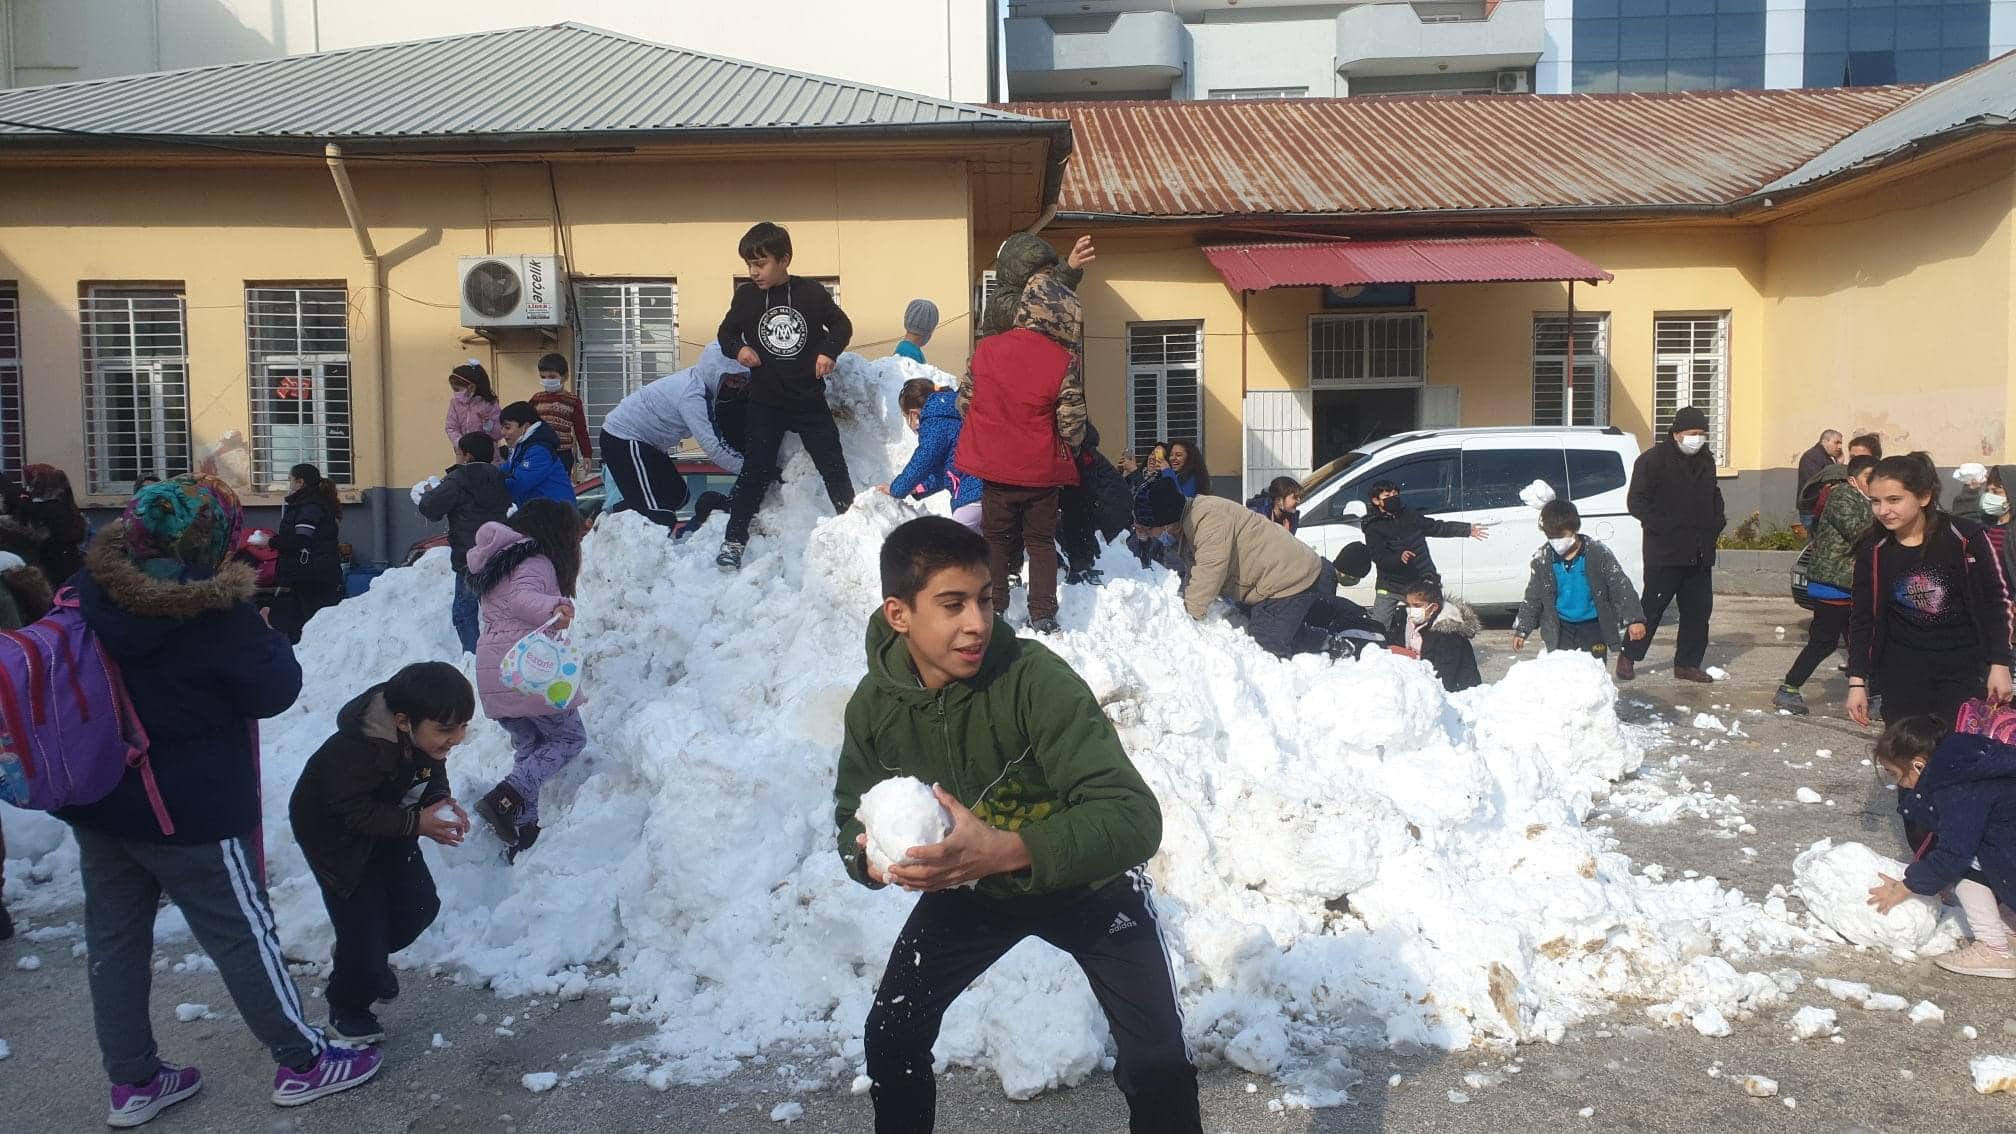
(832, 284)
(299, 373)
(1165, 383)
(1368, 350)
(1586, 400)
(1690, 367)
(13, 449)
(136, 385)
(629, 335)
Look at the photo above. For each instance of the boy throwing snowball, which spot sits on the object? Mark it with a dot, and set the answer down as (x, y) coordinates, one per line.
(364, 800)
(1050, 822)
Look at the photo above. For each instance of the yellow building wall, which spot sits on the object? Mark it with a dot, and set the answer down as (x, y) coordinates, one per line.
(892, 231)
(1891, 312)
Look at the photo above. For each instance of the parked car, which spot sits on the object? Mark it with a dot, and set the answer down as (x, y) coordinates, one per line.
(591, 498)
(1475, 476)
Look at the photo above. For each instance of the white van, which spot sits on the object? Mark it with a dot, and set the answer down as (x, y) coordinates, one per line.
(1475, 476)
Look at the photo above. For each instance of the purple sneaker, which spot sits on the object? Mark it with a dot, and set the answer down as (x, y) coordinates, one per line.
(135, 1106)
(336, 1069)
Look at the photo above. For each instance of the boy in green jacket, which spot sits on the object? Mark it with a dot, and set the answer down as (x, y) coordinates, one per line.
(1050, 843)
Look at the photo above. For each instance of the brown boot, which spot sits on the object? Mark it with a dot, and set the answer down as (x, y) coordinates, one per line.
(1689, 673)
(1625, 670)
(501, 809)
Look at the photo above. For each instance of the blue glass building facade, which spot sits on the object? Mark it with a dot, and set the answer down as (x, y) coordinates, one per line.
(1870, 42)
(1668, 45)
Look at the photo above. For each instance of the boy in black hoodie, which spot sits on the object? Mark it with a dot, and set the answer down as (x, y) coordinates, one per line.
(1397, 536)
(363, 801)
(471, 493)
(788, 331)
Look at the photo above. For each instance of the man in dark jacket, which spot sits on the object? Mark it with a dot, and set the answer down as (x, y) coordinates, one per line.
(201, 668)
(1826, 451)
(1050, 827)
(471, 494)
(1397, 536)
(362, 803)
(1676, 500)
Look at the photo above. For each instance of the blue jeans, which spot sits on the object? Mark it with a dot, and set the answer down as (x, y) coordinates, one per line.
(463, 612)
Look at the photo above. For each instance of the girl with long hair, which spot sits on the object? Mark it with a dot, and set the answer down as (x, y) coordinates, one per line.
(472, 404)
(310, 566)
(1930, 619)
(524, 573)
(1186, 468)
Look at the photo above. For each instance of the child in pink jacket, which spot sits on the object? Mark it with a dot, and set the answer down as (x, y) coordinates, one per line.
(472, 404)
(523, 572)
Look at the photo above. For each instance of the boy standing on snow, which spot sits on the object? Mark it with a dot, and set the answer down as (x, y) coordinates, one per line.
(562, 411)
(364, 800)
(1578, 596)
(788, 331)
(1052, 842)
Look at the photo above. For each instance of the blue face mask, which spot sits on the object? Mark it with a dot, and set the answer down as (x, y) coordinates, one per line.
(1167, 539)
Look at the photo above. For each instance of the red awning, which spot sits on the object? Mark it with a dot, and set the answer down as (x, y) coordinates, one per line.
(1454, 259)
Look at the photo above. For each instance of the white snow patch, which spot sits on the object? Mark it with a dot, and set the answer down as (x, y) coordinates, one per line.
(188, 1013)
(1814, 1023)
(1926, 1012)
(5, 1051)
(1710, 721)
(1834, 881)
(28, 962)
(1343, 843)
(1993, 1074)
(789, 1112)
(1717, 672)
(1759, 1086)
(1807, 795)
(863, 1084)
(539, 1082)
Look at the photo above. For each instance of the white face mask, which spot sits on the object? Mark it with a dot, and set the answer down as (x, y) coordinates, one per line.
(1563, 545)
(1994, 503)
(1416, 615)
(551, 385)
(1693, 443)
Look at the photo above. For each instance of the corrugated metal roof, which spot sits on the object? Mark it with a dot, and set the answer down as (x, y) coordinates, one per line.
(1471, 259)
(1423, 154)
(1984, 96)
(562, 79)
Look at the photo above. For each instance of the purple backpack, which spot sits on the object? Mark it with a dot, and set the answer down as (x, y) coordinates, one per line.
(68, 732)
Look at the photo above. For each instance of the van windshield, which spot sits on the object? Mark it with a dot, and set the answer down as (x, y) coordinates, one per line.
(1330, 471)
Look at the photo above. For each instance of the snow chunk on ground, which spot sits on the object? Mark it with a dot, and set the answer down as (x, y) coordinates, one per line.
(5, 1051)
(1759, 1087)
(1709, 721)
(1813, 1023)
(1993, 1074)
(1859, 994)
(1834, 881)
(788, 1112)
(1926, 1012)
(1807, 795)
(900, 814)
(539, 1082)
(188, 1013)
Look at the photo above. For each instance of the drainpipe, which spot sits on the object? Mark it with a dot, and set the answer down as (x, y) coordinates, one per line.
(382, 308)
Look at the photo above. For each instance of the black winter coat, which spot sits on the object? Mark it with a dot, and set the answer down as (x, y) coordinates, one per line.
(62, 552)
(1390, 535)
(307, 543)
(1446, 643)
(1677, 502)
(1967, 796)
(202, 669)
(364, 784)
(469, 496)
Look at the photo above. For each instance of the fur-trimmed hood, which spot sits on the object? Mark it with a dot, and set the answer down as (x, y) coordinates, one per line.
(25, 582)
(21, 537)
(1457, 617)
(134, 591)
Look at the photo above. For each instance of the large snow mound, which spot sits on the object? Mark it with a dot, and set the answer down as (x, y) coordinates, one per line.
(1350, 856)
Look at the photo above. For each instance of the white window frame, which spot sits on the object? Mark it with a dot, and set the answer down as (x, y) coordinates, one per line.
(1708, 332)
(1355, 360)
(1591, 387)
(607, 370)
(1158, 372)
(13, 444)
(156, 371)
(307, 327)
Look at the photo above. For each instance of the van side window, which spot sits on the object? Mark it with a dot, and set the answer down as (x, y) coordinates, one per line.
(1428, 483)
(1494, 478)
(1593, 472)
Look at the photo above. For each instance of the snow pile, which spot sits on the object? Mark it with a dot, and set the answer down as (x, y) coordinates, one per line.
(901, 813)
(1834, 881)
(1709, 990)
(1350, 857)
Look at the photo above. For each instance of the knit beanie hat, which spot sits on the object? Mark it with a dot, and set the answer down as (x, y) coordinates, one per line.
(920, 319)
(1159, 504)
(1686, 418)
(192, 521)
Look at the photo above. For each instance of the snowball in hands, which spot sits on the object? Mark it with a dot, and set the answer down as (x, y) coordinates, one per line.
(900, 814)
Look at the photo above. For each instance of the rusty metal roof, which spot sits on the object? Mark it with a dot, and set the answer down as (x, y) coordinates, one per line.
(1315, 157)
(1344, 263)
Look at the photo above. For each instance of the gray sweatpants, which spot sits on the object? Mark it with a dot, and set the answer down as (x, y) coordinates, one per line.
(225, 903)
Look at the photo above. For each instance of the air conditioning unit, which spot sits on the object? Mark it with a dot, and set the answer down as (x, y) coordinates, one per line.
(1513, 82)
(512, 291)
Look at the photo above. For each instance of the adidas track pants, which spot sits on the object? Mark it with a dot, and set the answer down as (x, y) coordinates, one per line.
(953, 936)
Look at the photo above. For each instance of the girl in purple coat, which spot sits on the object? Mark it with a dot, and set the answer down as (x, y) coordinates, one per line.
(472, 404)
(523, 572)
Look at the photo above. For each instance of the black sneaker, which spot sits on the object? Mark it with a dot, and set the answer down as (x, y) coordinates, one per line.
(1045, 626)
(1790, 700)
(355, 1029)
(730, 558)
